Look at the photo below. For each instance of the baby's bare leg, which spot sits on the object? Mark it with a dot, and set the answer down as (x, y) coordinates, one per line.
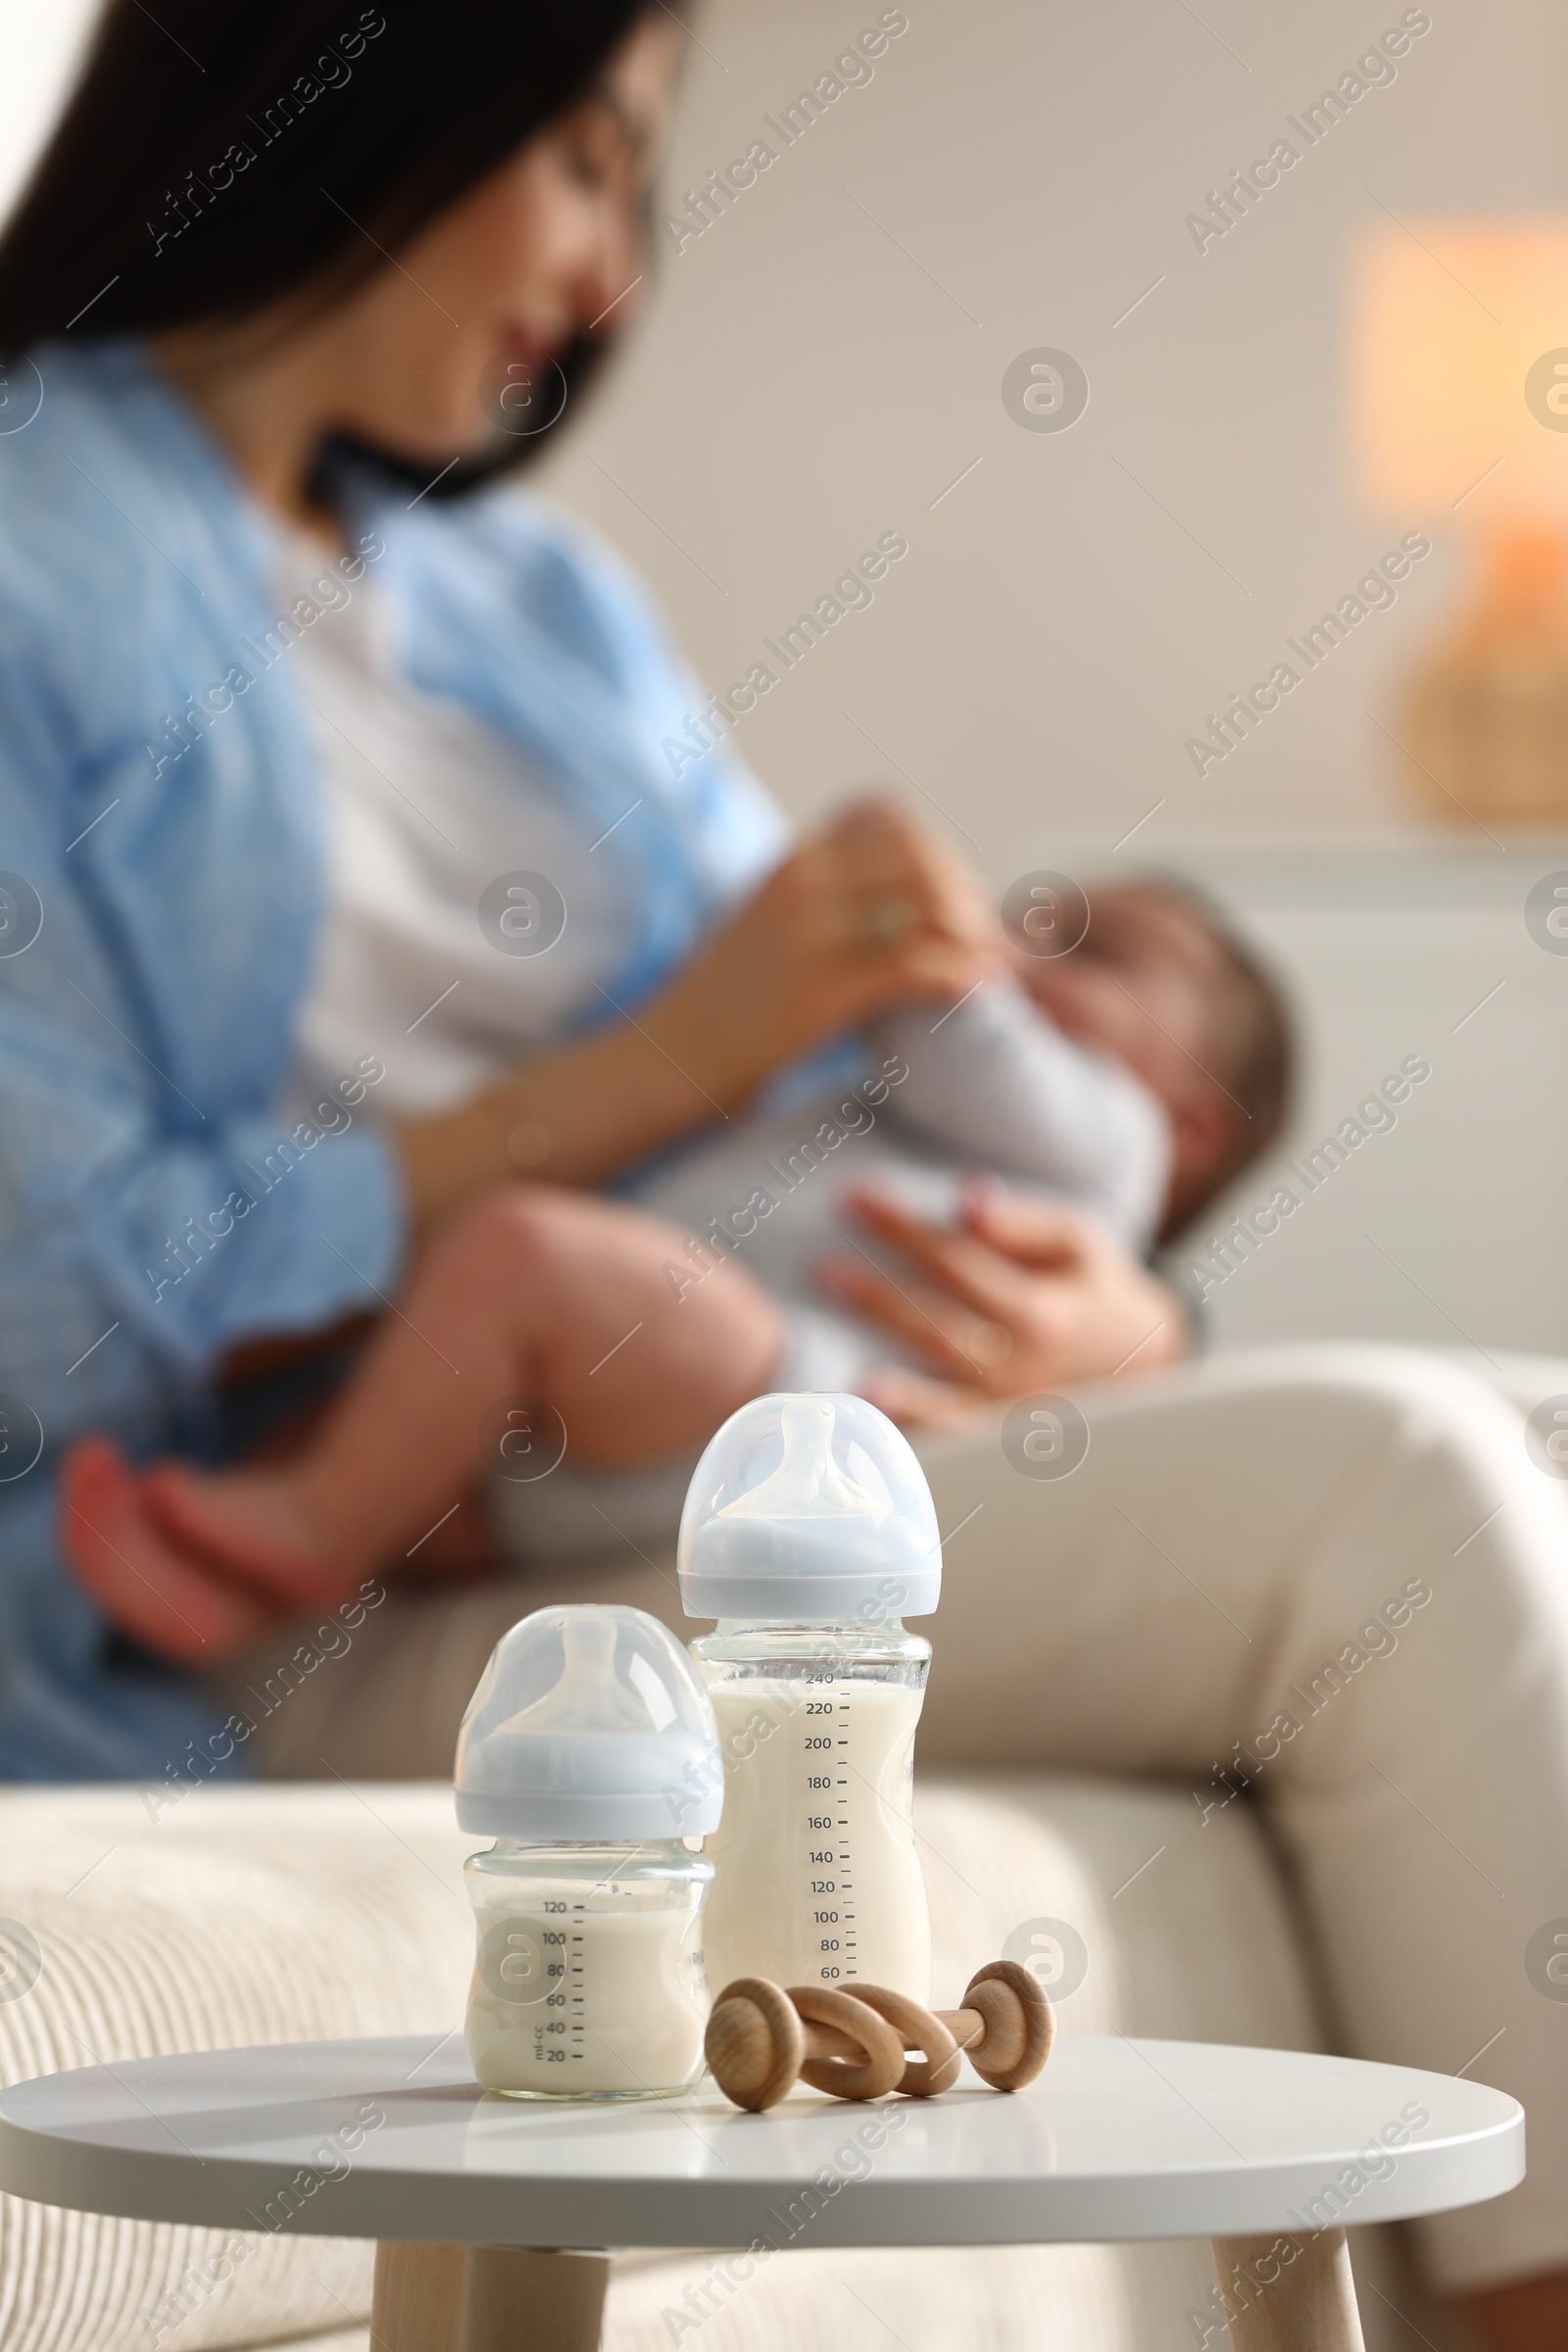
(573, 1305)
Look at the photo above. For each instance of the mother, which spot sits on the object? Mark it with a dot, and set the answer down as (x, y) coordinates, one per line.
(269, 304)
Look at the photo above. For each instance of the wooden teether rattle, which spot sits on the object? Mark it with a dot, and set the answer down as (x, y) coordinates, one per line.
(761, 2038)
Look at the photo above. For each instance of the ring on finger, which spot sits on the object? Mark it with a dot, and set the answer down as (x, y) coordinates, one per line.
(990, 1344)
(888, 920)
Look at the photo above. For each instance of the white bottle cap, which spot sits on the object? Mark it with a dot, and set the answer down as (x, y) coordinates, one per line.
(588, 1723)
(809, 1509)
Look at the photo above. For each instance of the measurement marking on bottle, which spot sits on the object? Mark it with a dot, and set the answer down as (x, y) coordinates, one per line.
(851, 1965)
(575, 2025)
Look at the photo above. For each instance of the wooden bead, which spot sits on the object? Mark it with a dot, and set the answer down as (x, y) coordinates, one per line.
(937, 2066)
(1020, 2024)
(882, 2066)
(754, 2042)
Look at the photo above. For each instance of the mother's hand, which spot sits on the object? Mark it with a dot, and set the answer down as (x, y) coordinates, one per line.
(873, 911)
(1022, 1295)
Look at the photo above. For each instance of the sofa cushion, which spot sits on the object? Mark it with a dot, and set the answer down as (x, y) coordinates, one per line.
(235, 1915)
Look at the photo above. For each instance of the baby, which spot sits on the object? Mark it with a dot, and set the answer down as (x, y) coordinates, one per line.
(1135, 1074)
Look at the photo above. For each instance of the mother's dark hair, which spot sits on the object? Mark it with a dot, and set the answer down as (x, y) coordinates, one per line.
(218, 156)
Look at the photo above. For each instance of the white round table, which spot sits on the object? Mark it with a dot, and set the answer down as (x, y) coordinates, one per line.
(491, 2213)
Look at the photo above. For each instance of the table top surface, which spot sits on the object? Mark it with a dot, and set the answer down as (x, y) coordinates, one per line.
(1118, 2139)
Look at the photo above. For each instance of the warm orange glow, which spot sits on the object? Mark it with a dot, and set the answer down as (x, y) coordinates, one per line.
(1447, 319)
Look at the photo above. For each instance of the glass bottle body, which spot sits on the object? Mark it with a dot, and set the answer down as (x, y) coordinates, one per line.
(817, 1876)
(589, 1978)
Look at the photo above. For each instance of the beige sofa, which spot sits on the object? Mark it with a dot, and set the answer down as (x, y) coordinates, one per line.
(252, 1915)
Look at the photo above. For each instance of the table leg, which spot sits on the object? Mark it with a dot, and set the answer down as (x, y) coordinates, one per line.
(486, 2299)
(1289, 2294)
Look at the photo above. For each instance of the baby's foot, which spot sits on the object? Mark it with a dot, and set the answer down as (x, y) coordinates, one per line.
(151, 1586)
(252, 1524)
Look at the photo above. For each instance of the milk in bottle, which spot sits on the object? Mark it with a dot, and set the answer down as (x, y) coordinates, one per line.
(809, 1534)
(590, 1752)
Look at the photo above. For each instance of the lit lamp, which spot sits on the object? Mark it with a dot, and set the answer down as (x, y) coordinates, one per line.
(1459, 405)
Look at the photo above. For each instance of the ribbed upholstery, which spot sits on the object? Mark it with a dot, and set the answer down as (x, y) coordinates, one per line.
(253, 1915)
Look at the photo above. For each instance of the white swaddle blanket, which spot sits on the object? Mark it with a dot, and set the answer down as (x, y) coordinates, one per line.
(991, 1085)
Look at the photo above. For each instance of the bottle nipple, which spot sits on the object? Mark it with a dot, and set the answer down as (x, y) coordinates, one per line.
(809, 1504)
(808, 1482)
(589, 1722)
(590, 1697)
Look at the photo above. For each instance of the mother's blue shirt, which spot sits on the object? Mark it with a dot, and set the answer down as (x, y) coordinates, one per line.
(146, 1028)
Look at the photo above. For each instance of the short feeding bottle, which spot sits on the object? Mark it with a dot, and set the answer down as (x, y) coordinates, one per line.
(589, 1752)
(809, 1534)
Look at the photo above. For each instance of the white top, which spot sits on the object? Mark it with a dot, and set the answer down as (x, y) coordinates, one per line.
(425, 808)
(1118, 2139)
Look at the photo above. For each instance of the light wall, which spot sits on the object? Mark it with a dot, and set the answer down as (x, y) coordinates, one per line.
(824, 362)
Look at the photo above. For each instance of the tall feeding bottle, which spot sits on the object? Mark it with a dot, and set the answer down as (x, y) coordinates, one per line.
(809, 1534)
